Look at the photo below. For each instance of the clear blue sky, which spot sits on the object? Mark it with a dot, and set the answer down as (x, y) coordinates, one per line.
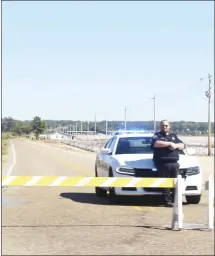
(66, 60)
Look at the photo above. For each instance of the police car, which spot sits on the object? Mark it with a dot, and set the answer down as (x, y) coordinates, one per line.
(129, 154)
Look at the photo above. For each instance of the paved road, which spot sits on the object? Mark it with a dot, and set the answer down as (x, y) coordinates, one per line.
(72, 221)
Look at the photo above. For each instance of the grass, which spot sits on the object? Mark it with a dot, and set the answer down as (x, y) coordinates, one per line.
(5, 145)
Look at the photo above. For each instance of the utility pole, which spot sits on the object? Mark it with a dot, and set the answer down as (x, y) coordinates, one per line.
(73, 129)
(208, 95)
(125, 118)
(70, 133)
(154, 99)
(106, 125)
(88, 129)
(81, 127)
(95, 123)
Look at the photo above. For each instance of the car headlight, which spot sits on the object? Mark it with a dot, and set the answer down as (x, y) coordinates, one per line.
(193, 170)
(125, 170)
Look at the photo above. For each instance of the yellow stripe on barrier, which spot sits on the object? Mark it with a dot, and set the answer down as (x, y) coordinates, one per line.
(65, 181)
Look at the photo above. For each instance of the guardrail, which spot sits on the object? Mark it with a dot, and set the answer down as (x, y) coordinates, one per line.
(177, 214)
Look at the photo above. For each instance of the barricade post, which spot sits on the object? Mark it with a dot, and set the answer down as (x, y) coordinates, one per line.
(177, 214)
(211, 203)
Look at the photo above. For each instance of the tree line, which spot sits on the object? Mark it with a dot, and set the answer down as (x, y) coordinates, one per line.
(39, 126)
(17, 127)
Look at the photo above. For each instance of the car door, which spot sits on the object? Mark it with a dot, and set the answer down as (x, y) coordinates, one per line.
(100, 161)
(107, 160)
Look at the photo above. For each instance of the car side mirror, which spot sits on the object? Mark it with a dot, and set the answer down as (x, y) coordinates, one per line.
(105, 151)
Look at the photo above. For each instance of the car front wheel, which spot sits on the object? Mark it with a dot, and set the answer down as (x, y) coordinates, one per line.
(113, 198)
(193, 199)
(99, 191)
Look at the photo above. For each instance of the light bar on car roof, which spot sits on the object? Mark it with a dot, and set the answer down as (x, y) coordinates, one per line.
(130, 132)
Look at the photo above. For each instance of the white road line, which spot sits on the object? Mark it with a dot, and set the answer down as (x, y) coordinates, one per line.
(14, 160)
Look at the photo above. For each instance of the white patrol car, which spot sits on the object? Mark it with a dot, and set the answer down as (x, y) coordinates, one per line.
(129, 154)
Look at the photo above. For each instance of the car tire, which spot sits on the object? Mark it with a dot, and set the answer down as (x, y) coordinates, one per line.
(113, 198)
(193, 199)
(99, 191)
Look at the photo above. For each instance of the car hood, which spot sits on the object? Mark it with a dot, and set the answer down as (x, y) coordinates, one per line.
(146, 161)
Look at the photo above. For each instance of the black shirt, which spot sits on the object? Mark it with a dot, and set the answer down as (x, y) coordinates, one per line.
(165, 154)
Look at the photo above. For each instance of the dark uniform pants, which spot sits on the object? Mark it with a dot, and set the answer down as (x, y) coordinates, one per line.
(168, 170)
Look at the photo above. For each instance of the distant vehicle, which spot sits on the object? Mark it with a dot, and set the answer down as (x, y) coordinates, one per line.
(126, 155)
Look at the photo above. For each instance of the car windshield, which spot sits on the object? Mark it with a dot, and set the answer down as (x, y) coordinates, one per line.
(135, 145)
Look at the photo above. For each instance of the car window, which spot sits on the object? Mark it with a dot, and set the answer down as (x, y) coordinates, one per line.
(112, 144)
(136, 145)
(107, 145)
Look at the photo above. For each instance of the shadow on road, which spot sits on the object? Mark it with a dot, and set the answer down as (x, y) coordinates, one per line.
(91, 198)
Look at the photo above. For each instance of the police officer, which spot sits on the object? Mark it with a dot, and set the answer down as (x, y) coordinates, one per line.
(166, 148)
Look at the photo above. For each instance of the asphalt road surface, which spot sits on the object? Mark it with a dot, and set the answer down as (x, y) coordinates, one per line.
(72, 221)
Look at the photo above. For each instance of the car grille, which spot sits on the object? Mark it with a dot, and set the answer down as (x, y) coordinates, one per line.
(145, 173)
(154, 189)
(148, 173)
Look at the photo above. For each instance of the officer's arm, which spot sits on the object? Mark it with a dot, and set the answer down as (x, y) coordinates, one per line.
(157, 143)
(180, 143)
(162, 144)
